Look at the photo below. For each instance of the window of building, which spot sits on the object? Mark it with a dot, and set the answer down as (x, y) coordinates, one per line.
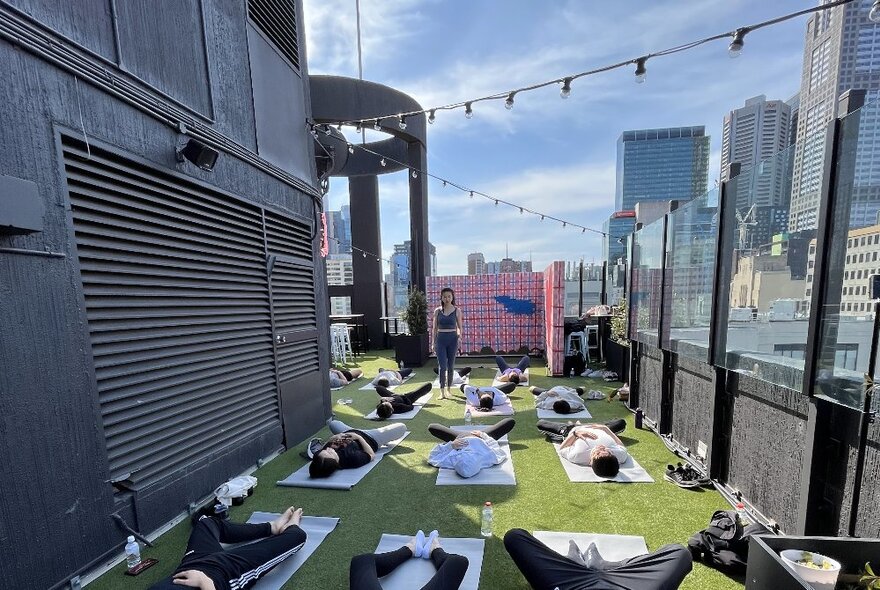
(846, 356)
(794, 351)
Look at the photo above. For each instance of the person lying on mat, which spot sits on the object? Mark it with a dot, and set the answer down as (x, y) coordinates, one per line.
(208, 566)
(591, 445)
(561, 399)
(398, 403)
(366, 569)
(349, 448)
(458, 375)
(387, 378)
(485, 398)
(342, 377)
(471, 451)
(512, 374)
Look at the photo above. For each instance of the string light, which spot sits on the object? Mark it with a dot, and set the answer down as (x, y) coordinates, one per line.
(431, 117)
(641, 70)
(383, 163)
(736, 46)
(350, 149)
(401, 122)
(520, 210)
(496, 202)
(358, 127)
(414, 173)
(468, 111)
(376, 126)
(566, 89)
(444, 184)
(508, 104)
(327, 130)
(472, 194)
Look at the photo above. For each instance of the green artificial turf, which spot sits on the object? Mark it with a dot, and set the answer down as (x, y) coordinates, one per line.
(399, 495)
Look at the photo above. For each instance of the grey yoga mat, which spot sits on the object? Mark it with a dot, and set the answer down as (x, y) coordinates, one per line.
(370, 387)
(406, 415)
(497, 475)
(502, 410)
(611, 547)
(343, 479)
(551, 415)
(416, 572)
(630, 472)
(316, 528)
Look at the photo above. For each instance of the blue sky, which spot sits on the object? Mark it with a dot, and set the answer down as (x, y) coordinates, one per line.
(547, 154)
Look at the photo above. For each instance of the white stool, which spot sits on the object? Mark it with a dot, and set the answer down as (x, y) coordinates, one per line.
(593, 341)
(340, 342)
(580, 339)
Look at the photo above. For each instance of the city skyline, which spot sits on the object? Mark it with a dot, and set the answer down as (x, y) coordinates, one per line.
(546, 154)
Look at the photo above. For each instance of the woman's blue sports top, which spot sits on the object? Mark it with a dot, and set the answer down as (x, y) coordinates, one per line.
(446, 322)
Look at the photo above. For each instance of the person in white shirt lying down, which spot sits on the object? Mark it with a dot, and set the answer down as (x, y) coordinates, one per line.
(592, 445)
(469, 452)
(560, 399)
(389, 378)
(486, 398)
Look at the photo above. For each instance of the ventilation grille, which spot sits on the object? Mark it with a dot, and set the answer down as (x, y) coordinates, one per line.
(288, 237)
(174, 279)
(276, 19)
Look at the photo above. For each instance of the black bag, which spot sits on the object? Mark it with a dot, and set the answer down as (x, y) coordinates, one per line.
(724, 544)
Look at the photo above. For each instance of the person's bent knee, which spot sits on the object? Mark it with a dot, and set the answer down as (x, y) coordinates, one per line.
(512, 536)
(458, 562)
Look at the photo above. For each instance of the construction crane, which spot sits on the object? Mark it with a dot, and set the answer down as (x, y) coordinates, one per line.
(745, 222)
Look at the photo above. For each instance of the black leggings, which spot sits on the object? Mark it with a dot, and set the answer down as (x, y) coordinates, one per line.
(366, 569)
(545, 569)
(410, 397)
(495, 431)
(462, 372)
(616, 426)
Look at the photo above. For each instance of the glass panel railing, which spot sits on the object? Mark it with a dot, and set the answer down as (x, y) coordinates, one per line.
(690, 265)
(765, 270)
(853, 260)
(647, 281)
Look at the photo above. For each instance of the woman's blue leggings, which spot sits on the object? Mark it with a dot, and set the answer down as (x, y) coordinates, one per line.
(446, 347)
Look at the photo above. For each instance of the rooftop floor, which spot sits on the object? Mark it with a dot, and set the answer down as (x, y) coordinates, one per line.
(399, 496)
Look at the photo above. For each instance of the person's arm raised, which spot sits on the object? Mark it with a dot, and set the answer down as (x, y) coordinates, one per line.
(364, 444)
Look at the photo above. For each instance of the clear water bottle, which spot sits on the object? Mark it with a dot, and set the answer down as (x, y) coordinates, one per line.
(400, 365)
(741, 514)
(486, 521)
(467, 417)
(132, 553)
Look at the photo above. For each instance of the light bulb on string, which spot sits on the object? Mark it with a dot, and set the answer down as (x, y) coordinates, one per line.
(736, 45)
(444, 184)
(415, 174)
(431, 117)
(566, 88)
(563, 224)
(358, 127)
(339, 127)
(401, 122)
(364, 254)
(472, 194)
(520, 210)
(376, 126)
(874, 14)
(508, 104)
(496, 202)
(468, 111)
(542, 218)
(583, 230)
(383, 163)
(641, 70)
(327, 130)
(350, 149)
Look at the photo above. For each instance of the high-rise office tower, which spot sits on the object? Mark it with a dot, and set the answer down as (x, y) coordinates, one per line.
(399, 275)
(339, 230)
(841, 52)
(476, 263)
(754, 135)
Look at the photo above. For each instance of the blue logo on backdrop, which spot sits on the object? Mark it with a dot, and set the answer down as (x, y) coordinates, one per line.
(517, 306)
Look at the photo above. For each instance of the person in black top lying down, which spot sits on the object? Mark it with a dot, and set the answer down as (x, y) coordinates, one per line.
(397, 403)
(349, 448)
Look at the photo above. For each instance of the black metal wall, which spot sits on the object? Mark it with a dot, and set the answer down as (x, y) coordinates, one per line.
(191, 62)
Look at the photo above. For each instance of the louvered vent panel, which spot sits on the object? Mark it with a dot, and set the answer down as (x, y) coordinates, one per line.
(293, 296)
(177, 302)
(276, 19)
(297, 359)
(288, 237)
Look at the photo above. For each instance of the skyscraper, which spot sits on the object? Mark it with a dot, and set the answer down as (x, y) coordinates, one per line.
(339, 230)
(399, 278)
(752, 135)
(476, 264)
(842, 51)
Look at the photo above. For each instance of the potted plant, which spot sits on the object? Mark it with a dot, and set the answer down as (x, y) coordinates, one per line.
(617, 345)
(412, 348)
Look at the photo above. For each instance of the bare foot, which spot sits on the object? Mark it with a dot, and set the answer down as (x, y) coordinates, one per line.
(280, 523)
(295, 518)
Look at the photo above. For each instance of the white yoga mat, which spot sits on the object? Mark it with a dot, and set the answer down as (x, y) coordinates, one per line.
(370, 387)
(523, 383)
(611, 547)
(630, 472)
(343, 479)
(497, 475)
(415, 573)
(346, 385)
(316, 527)
(406, 415)
(502, 410)
(551, 415)
(466, 380)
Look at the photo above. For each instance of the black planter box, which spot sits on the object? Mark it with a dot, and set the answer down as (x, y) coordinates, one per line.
(767, 571)
(617, 359)
(411, 350)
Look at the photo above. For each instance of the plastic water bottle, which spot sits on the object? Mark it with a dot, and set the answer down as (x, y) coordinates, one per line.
(400, 365)
(486, 522)
(467, 417)
(741, 514)
(132, 553)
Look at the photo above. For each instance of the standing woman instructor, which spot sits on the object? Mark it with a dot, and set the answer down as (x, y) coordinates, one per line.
(446, 333)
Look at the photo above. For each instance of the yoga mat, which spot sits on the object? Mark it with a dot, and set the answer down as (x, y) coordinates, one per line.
(551, 415)
(611, 547)
(497, 475)
(406, 415)
(502, 410)
(343, 479)
(415, 573)
(466, 380)
(496, 382)
(630, 472)
(344, 386)
(316, 527)
(371, 387)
